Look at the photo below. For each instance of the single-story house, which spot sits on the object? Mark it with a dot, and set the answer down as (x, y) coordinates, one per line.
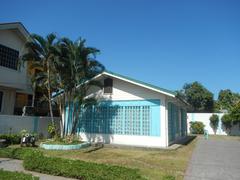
(133, 113)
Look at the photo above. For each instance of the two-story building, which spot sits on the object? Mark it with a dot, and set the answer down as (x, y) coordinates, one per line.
(15, 86)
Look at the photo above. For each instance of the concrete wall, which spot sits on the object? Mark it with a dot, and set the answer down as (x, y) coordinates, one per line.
(204, 117)
(8, 100)
(14, 124)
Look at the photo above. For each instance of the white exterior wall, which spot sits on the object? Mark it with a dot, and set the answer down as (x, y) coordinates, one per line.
(126, 91)
(12, 81)
(204, 118)
(14, 124)
(10, 77)
(131, 140)
(8, 100)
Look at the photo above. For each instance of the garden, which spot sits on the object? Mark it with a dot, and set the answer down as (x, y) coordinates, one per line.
(102, 163)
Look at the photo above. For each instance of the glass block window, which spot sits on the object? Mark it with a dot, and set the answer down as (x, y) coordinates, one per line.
(8, 57)
(127, 120)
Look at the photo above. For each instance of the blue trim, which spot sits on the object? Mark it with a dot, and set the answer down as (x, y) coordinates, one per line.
(35, 124)
(155, 121)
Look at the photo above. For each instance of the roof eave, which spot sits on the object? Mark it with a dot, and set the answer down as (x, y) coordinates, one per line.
(136, 83)
(16, 25)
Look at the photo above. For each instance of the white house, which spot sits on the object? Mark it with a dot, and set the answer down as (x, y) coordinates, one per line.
(15, 86)
(133, 113)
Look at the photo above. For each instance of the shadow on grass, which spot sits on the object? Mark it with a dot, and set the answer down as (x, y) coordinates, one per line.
(95, 147)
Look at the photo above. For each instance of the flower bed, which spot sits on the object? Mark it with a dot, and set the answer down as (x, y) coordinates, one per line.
(53, 146)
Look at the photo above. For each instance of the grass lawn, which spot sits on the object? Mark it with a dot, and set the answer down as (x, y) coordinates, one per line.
(223, 137)
(152, 163)
(16, 175)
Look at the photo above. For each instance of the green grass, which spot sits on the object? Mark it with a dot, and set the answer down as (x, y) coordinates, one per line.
(16, 176)
(222, 137)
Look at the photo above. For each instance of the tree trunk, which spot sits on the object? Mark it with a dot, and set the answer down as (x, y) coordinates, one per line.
(34, 94)
(49, 94)
(66, 132)
(61, 122)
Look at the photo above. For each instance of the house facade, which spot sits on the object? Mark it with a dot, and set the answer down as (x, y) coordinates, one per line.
(133, 113)
(15, 85)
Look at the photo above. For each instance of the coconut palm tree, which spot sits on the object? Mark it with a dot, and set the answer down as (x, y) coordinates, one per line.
(76, 66)
(41, 53)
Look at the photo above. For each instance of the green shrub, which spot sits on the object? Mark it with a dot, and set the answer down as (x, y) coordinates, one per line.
(11, 138)
(15, 153)
(51, 130)
(197, 127)
(214, 120)
(16, 175)
(227, 121)
(36, 161)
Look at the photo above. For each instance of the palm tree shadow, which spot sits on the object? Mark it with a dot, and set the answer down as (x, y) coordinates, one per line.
(98, 123)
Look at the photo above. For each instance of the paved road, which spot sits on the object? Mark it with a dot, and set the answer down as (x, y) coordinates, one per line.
(215, 160)
(16, 165)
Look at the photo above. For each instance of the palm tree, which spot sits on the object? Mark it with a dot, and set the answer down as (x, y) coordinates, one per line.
(76, 66)
(41, 53)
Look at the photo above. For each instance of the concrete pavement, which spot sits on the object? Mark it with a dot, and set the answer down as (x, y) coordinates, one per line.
(215, 160)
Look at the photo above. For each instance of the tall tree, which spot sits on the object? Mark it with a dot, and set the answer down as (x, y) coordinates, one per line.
(76, 66)
(41, 53)
(226, 100)
(235, 113)
(197, 96)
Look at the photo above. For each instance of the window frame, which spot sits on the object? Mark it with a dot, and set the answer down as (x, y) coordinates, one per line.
(9, 57)
(107, 86)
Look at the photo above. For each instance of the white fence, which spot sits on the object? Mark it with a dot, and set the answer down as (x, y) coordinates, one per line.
(14, 124)
(204, 118)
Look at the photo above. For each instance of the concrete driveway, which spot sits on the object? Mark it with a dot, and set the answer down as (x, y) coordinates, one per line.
(215, 159)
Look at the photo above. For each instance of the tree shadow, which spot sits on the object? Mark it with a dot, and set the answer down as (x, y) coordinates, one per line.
(98, 123)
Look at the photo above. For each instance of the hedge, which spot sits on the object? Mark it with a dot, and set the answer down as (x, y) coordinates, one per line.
(34, 160)
(15, 153)
(16, 175)
(11, 138)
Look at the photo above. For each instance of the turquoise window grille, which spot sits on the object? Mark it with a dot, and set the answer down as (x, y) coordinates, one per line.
(123, 118)
(173, 122)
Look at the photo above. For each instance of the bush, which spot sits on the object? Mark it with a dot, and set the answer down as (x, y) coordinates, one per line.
(36, 161)
(15, 153)
(197, 127)
(227, 121)
(11, 138)
(214, 120)
(16, 175)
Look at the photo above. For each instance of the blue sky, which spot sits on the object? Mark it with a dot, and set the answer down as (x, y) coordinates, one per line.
(166, 43)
